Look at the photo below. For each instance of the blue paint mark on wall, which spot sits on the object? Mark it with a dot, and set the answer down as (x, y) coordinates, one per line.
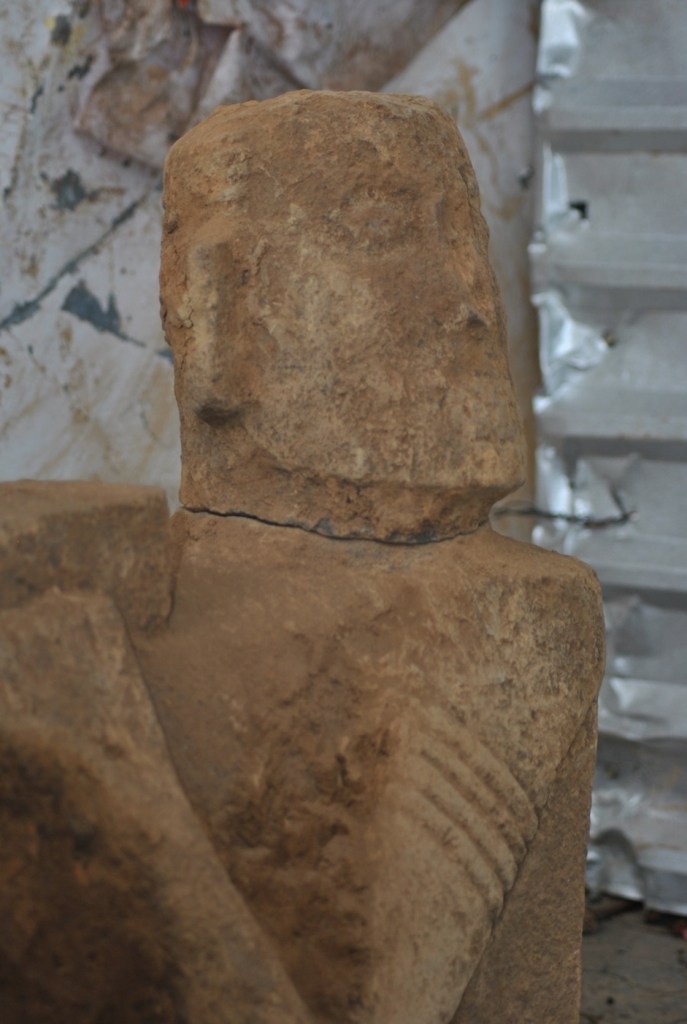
(82, 303)
(69, 191)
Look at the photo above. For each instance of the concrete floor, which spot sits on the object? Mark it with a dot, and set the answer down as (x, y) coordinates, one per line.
(633, 973)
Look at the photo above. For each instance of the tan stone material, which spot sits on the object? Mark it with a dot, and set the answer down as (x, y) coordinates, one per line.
(338, 337)
(79, 535)
(113, 904)
(381, 752)
(372, 736)
(530, 971)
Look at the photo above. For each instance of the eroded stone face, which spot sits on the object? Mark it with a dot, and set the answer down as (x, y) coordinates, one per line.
(338, 336)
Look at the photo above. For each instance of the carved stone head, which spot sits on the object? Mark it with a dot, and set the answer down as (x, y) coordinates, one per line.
(338, 337)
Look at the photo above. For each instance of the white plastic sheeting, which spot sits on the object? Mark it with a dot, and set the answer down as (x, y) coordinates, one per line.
(85, 376)
(609, 260)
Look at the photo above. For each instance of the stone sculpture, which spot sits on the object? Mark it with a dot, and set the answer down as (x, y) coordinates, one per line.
(380, 714)
(113, 904)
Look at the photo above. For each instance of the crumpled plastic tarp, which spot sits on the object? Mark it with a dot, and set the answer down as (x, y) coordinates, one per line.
(611, 293)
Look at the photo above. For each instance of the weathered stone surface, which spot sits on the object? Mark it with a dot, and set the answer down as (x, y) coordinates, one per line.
(530, 971)
(113, 904)
(339, 342)
(72, 535)
(371, 734)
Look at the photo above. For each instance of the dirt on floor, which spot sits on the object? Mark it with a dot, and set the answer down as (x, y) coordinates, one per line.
(634, 972)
